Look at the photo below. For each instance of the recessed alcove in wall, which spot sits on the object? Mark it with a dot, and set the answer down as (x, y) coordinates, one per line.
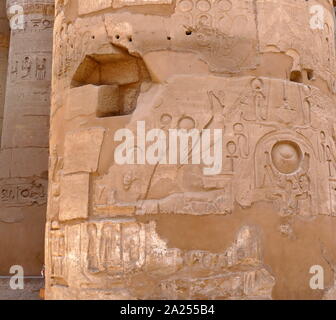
(296, 76)
(120, 76)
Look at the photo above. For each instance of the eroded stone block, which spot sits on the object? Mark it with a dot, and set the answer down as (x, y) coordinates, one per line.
(82, 150)
(74, 201)
(93, 100)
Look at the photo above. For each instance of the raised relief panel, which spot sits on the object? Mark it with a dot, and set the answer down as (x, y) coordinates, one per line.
(40, 24)
(287, 173)
(74, 200)
(82, 150)
(41, 68)
(109, 249)
(125, 251)
(115, 249)
(133, 240)
(26, 67)
(202, 203)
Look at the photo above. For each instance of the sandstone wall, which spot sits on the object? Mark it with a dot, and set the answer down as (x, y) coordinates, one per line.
(24, 143)
(257, 69)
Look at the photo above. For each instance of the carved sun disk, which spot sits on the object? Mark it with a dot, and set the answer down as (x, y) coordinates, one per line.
(286, 156)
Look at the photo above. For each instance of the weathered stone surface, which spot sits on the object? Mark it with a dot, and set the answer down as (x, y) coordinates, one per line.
(74, 197)
(133, 218)
(99, 101)
(82, 150)
(88, 6)
(25, 95)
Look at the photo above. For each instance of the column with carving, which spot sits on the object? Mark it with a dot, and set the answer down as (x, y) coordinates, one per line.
(255, 81)
(24, 145)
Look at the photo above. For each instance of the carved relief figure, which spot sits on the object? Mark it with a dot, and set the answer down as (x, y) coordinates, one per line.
(260, 103)
(40, 68)
(26, 67)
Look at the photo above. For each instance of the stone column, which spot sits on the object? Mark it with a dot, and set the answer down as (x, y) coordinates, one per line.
(260, 75)
(24, 153)
(4, 42)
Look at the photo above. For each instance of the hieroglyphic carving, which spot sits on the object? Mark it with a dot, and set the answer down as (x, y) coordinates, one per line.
(242, 140)
(26, 67)
(39, 24)
(287, 173)
(213, 25)
(294, 189)
(115, 248)
(41, 64)
(212, 202)
(30, 67)
(73, 48)
(126, 249)
(22, 194)
(58, 253)
(259, 99)
(211, 65)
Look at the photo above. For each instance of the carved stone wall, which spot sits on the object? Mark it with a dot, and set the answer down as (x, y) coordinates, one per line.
(257, 70)
(24, 144)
